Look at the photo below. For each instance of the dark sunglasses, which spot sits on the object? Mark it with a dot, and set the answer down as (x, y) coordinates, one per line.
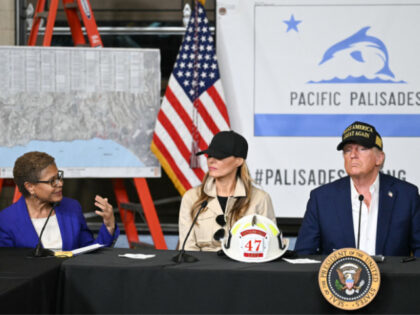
(220, 233)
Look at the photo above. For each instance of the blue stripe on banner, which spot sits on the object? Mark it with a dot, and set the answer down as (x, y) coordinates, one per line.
(313, 125)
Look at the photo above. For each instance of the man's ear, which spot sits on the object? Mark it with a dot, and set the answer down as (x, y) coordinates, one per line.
(380, 158)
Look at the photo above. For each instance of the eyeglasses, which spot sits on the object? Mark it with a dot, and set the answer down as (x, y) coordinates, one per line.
(54, 182)
(220, 233)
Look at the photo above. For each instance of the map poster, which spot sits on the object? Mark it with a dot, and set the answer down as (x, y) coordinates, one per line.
(93, 110)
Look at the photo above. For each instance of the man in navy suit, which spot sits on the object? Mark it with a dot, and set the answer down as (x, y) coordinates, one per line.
(390, 208)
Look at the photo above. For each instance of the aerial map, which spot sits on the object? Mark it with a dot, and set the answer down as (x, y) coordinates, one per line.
(94, 110)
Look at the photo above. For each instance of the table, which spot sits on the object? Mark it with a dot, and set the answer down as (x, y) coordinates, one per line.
(27, 285)
(102, 282)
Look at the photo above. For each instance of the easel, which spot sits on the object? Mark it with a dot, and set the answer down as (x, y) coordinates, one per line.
(16, 194)
(148, 208)
(73, 8)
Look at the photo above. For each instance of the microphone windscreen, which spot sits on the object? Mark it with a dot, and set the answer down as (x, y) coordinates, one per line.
(361, 197)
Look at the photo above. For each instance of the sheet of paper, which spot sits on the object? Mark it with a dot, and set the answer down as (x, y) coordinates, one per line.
(136, 256)
(302, 261)
(87, 249)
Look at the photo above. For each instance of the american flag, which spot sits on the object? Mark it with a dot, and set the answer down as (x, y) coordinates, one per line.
(193, 108)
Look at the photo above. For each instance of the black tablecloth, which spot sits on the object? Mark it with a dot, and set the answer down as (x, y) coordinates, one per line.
(27, 285)
(102, 282)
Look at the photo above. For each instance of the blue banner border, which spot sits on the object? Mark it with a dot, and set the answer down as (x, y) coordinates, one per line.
(333, 125)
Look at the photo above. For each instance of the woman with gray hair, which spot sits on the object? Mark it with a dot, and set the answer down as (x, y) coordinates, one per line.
(41, 184)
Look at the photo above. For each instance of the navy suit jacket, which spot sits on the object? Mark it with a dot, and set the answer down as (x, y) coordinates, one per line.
(17, 230)
(328, 221)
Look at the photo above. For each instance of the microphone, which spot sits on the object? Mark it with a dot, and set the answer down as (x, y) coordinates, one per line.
(361, 197)
(39, 250)
(181, 256)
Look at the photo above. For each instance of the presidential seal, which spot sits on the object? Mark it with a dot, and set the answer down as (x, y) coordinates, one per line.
(349, 279)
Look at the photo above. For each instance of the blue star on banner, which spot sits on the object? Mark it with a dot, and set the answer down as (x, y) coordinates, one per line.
(292, 24)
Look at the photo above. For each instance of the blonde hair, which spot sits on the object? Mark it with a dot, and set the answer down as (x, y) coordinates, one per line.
(241, 203)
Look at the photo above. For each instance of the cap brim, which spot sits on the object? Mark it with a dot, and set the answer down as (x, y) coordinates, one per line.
(341, 145)
(215, 154)
(357, 141)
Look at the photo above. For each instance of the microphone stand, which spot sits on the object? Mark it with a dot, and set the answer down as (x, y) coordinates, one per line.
(182, 256)
(376, 258)
(39, 250)
(361, 197)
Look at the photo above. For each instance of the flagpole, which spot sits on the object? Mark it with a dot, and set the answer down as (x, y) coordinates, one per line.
(194, 160)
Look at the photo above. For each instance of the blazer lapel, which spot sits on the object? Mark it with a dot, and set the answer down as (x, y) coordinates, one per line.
(387, 197)
(63, 224)
(24, 223)
(344, 212)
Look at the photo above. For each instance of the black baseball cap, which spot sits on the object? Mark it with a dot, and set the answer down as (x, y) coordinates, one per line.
(361, 133)
(225, 144)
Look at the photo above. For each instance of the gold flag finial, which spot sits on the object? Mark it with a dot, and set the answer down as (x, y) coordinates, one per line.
(203, 2)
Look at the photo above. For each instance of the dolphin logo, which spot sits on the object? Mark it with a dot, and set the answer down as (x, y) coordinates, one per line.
(356, 38)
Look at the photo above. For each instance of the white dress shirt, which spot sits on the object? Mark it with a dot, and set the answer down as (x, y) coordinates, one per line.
(51, 238)
(369, 218)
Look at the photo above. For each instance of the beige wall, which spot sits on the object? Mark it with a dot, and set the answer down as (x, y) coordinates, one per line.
(7, 22)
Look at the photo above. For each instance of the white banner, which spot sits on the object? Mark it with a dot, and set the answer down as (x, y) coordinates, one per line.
(297, 73)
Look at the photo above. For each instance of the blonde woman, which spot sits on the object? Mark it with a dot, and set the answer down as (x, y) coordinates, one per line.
(227, 193)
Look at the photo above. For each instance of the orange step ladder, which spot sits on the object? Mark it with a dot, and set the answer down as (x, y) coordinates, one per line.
(72, 8)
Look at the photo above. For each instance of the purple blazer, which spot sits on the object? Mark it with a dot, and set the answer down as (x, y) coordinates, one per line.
(17, 230)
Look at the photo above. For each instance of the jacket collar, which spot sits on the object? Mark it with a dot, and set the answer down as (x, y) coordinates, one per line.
(210, 188)
(28, 228)
(387, 197)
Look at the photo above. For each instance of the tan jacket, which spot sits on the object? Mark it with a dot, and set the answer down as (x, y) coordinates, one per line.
(201, 237)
